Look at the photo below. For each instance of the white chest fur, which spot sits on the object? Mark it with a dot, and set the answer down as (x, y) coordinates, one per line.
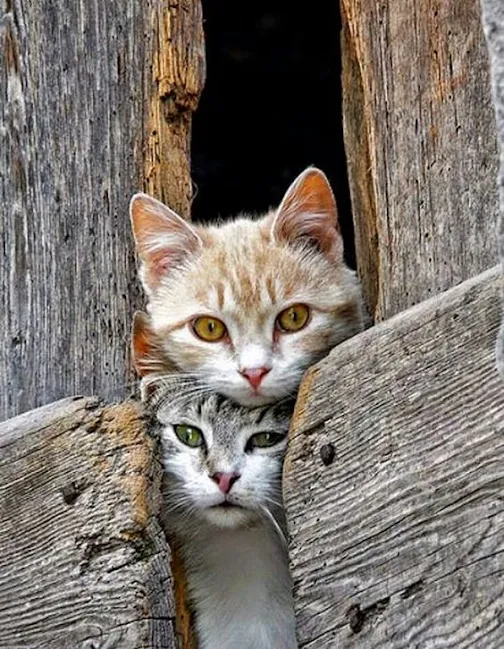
(241, 589)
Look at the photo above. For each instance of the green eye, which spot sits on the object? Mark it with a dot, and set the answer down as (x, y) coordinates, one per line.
(264, 440)
(189, 435)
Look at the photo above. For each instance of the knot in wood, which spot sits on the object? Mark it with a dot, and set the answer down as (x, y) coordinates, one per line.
(355, 617)
(327, 454)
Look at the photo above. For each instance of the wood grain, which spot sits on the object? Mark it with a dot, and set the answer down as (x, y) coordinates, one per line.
(420, 141)
(79, 83)
(175, 79)
(493, 23)
(83, 560)
(394, 482)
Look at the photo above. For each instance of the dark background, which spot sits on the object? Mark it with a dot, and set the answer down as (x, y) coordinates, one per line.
(271, 107)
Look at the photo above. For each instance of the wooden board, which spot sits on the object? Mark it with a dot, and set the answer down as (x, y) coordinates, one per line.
(493, 23)
(95, 104)
(394, 482)
(420, 140)
(174, 74)
(83, 560)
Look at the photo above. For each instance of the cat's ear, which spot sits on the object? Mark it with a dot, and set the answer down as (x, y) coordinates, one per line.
(163, 239)
(146, 351)
(308, 215)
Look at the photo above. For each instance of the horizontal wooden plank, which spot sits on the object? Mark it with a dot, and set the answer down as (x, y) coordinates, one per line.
(394, 482)
(83, 560)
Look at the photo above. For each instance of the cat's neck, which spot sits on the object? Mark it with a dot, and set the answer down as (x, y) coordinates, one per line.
(240, 586)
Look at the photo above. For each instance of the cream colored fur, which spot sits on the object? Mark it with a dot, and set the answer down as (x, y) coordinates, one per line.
(245, 273)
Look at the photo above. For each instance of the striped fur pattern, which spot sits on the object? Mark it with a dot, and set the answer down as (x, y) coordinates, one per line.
(235, 556)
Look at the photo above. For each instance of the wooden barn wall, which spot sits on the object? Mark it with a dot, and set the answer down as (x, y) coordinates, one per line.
(95, 103)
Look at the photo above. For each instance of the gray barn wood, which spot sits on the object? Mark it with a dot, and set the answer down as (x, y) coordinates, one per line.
(394, 482)
(95, 103)
(493, 22)
(420, 140)
(83, 560)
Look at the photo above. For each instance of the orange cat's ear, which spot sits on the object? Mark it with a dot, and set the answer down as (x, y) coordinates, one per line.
(308, 214)
(163, 239)
(146, 351)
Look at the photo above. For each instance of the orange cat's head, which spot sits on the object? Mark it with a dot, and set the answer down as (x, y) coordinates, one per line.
(247, 306)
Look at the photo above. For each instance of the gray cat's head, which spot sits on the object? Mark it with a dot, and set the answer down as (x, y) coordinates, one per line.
(222, 461)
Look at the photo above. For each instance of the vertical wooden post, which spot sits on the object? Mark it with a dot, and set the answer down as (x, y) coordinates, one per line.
(420, 141)
(95, 103)
(493, 22)
(175, 80)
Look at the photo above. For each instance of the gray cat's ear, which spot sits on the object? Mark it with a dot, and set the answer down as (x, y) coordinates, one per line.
(147, 352)
(163, 239)
(308, 215)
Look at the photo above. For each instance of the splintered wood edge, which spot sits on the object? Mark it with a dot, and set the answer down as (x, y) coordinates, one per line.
(397, 271)
(184, 619)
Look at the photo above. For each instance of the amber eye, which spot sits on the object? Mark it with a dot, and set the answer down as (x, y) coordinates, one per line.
(209, 329)
(294, 318)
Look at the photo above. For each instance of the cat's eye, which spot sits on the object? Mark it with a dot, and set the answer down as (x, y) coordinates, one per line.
(293, 318)
(189, 435)
(210, 329)
(264, 440)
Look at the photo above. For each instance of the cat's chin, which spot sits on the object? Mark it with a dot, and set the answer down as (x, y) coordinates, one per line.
(249, 398)
(267, 394)
(254, 400)
(229, 516)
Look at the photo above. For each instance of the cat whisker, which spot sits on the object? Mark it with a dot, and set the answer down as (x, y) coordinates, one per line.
(178, 502)
(288, 397)
(178, 376)
(272, 501)
(276, 526)
(176, 387)
(174, 400)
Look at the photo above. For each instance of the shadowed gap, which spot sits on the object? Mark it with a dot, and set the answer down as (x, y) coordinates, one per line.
(271, 107)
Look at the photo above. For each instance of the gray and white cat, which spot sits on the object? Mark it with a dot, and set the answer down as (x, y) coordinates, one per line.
(223, 511)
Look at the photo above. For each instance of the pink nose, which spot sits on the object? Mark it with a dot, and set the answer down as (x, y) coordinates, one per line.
(225, 480)
(255, 376)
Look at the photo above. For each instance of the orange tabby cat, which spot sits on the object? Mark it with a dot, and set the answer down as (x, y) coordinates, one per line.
(245, 307)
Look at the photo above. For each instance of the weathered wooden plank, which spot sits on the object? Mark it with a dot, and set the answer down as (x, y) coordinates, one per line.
(420, 141)
(83, 560)
(493, 23)
(94, 97)
(394, 481)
